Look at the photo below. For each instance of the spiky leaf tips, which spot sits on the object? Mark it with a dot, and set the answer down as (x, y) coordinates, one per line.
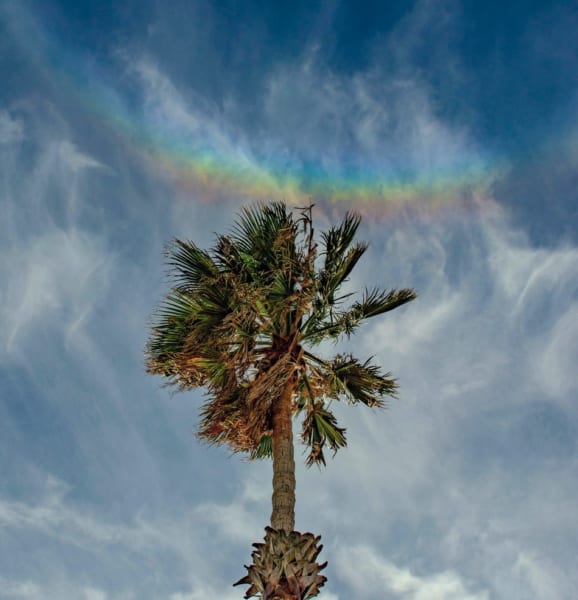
(243, 317)
(284, 567)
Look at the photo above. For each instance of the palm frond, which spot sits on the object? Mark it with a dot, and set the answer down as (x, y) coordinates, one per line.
(228, 256)
(266, 233)
(224, 420)
(264, 449)
(340, 257)
(338, 239)
(320, 428)
(336, 272)
(169, 333)
(376, 302)
(189, 264)
(359, 382)
(345, 322)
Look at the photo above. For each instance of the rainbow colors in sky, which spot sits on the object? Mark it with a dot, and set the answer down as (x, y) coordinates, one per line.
(205, 171)
(211, 176)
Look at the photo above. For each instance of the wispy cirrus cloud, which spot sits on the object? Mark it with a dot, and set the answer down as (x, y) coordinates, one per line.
(464, 489)
(11, 129)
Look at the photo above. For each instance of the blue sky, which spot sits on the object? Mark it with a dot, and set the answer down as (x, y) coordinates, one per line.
(464, 489)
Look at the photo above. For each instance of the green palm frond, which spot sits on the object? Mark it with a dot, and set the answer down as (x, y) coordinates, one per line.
(228, 257)
(339, 238)
(376, 302)
(345, 322)
(359, 382)
(320, 428)
(340, 259)
(264, 449)
(189, 264)
(267, 234)
(169, 333)
(336, 272)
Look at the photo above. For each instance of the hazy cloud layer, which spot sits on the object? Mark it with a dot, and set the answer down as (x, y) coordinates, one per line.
(464, 489)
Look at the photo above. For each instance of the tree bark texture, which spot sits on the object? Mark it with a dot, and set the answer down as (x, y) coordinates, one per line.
(283, 515)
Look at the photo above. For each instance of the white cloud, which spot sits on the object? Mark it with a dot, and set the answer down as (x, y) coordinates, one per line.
(12, 589)
(244, 517)
(56, 279)
(190, 120)
(55, 267)
(52, 516)
(75, 160)
(555, 365)
(207, 592)
(385, 119)
(93, 594)
(545, 579)
(372, 576)
(11, 129)
(180, 540)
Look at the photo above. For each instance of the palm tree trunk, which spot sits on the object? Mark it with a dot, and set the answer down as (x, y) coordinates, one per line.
(283, 515)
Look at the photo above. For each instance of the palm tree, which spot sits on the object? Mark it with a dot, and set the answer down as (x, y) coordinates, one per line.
(241, 320)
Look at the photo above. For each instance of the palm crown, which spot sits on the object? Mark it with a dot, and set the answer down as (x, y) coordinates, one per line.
(242, 319)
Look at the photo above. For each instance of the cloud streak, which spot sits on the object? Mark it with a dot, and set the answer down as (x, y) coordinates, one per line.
(464, 488)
